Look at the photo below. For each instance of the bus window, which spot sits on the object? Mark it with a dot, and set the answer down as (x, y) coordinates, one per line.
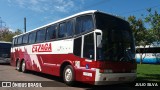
(19, 40)
(118, 43)
(5, 48)
(77, 46)
(62, 32)
(15, 41)
(40, 35)
(84, 24)
(51, 32)
(32, 37)
(66, 29)
(88, 50)
(69, 28)
(25, 39)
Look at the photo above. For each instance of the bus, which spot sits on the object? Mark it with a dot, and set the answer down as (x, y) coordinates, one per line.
(90, 47)
(5, 48)
(150, 54)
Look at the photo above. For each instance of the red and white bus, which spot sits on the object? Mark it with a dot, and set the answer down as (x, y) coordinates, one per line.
(91, 47)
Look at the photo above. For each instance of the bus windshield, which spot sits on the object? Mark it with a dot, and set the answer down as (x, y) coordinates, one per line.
(5, 50)
(117, 39)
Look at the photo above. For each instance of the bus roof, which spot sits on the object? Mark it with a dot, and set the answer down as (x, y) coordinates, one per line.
(72, 16)
(81, 13)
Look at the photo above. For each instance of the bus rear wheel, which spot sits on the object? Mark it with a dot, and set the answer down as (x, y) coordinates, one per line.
(68, 75)
(23, 67)
(18, 66)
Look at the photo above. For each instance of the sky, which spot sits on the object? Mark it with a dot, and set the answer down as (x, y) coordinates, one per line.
(41, 12)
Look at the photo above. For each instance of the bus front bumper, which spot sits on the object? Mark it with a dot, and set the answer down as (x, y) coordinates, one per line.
(114, 78)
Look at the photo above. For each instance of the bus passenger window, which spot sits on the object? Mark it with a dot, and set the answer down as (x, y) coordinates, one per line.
(84, 24)
(15, 41)
(51, 32)
(19, 40)
(62, 32)
(40, 35)
(32, 37)
(69, 28)
(25, 39)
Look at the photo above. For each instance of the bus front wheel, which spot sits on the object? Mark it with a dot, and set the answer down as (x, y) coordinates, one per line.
(68, 75)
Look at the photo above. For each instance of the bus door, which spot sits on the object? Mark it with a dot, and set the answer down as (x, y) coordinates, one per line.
(88, 55)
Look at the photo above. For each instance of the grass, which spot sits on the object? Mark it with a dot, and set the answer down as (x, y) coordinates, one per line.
(148, 72)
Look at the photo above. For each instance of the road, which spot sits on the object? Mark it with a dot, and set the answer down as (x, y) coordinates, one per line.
(9, 73)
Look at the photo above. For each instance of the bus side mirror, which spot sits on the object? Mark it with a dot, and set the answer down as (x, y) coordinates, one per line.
(99, 41)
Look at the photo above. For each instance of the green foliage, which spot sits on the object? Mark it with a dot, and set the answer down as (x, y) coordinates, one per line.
(139, 31)
(146, 36)
(153, 18)
(6, 35)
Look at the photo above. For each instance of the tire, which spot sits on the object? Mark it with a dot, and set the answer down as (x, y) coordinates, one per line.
(68, 75)
(18, 66)
(23, 65)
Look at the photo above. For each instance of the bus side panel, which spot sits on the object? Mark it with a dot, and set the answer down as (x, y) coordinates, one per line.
(50, 63)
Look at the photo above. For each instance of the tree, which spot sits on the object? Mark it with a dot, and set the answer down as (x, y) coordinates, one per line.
(6, 35)
(141, 34)
(139, 31)
(17, 32)
(153, 19)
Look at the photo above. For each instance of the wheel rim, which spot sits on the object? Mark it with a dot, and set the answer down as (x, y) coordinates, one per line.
(68, 74)
(18, 65)
(23, 66)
